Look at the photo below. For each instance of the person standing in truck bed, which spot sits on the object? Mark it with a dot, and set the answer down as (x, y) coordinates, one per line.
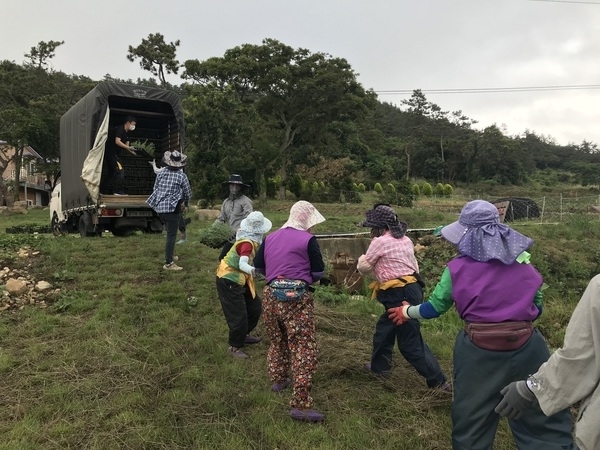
(113, 177)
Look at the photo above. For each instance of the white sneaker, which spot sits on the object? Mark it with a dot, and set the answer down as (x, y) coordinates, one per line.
(172, 266)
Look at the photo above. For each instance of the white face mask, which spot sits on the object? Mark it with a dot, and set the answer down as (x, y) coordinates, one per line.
(131, 127)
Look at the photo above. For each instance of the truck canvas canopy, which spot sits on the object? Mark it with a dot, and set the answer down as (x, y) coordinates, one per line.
(84, 130)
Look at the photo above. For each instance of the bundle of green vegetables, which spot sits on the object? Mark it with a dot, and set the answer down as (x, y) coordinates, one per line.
(216, 235)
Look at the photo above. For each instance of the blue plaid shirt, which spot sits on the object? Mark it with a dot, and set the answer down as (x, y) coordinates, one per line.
(170, 187)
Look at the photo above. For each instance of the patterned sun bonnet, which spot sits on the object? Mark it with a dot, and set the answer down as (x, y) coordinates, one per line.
(479, 234)
(253, 227)
(303, 215)
(384, 217)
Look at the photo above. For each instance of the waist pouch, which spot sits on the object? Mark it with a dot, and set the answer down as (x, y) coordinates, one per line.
(286, 290)
(503, 336)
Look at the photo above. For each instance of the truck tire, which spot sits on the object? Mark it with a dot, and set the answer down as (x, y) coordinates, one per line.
(58, 228)
(86, 227)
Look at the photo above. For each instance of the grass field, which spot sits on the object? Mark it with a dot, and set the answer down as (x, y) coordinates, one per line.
(125, 359)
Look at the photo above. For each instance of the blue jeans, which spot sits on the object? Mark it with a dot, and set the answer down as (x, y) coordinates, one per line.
(408, 336)
(171, 221)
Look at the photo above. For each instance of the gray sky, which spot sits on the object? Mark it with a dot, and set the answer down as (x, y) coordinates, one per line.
(393, 45)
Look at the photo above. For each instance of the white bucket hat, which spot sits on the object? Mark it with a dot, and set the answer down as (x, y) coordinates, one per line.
(255, 223)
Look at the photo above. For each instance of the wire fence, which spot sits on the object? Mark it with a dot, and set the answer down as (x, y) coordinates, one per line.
(545, 209)
(536, 209)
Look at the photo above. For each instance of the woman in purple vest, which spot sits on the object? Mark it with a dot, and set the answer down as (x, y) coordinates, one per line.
(496, 291)
(291, 260)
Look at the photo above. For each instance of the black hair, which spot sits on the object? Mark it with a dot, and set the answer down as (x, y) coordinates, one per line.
(130, 119)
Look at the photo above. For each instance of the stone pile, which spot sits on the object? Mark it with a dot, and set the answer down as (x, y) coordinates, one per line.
(19, 289)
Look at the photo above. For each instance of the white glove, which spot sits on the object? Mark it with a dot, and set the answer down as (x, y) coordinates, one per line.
(245, 267)
(153, 164)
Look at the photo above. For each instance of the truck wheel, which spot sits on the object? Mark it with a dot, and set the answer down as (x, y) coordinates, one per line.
(86, 227)
(57, 227)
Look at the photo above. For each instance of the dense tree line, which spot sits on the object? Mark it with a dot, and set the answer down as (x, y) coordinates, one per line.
(283, 117)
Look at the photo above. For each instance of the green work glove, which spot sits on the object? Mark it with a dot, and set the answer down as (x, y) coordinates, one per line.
(517, 399)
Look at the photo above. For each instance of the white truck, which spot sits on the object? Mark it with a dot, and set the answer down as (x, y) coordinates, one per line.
(76, 203)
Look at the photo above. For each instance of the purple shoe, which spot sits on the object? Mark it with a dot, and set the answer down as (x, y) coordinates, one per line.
(307, 415)
(252, 339)
(278, 387)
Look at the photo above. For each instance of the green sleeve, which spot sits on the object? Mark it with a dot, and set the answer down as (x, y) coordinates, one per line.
(441, 297)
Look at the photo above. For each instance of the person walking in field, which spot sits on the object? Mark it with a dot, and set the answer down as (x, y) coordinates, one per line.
(171, 194)
(234, 209)
(235, 284)
(291, 260)
(183, 221)
(496, 291)
(391, 259)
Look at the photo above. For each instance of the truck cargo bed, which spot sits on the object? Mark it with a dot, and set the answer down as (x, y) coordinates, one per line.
(123, 201)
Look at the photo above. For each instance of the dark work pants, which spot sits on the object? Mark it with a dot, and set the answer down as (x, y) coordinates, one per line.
(408, 336)
(479, 376)
(240, 309)
(181, 224)
(171, 221)
(113, 178)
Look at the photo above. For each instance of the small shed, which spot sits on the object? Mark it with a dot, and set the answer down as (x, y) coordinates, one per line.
(516, 208)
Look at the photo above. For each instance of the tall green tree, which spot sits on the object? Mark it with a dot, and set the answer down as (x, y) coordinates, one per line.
(156, 56)
(293, 91)
(40, 55)
(32, 99)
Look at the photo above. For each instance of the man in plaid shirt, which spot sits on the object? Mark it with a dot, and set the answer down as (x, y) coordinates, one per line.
(391, 259)
(171, 195)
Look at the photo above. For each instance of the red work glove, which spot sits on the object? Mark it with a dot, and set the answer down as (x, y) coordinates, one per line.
(399, 314)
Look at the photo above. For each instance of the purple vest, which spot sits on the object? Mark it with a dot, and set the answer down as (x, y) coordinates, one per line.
(492, 291)
(286, 255)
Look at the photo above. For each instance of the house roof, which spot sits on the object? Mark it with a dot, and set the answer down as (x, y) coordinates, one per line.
(31, 152)
(27, 150)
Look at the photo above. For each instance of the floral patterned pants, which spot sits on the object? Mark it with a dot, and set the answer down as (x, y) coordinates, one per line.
(290, 326)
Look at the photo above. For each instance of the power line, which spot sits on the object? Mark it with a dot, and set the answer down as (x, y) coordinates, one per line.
(491, 90)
